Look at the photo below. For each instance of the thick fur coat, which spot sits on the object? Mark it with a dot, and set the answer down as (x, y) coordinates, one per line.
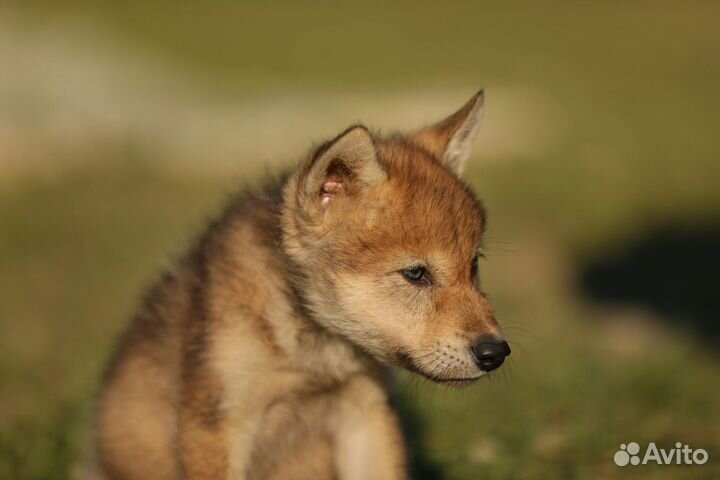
(264, 353)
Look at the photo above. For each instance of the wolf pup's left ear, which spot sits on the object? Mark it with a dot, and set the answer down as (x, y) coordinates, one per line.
(451, 139)
(341, 168)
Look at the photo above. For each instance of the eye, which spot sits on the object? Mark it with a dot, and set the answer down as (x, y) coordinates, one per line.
(474, 268)
(416, 274)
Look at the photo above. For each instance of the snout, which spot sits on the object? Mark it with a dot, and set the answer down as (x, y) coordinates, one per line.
(490, 353)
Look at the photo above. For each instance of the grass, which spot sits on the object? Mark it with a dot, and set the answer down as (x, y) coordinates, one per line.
(634, 87)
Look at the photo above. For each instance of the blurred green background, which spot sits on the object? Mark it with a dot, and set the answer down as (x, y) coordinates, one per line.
(124, 125)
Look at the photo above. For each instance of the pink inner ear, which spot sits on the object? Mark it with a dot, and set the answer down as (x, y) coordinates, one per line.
(329, 190)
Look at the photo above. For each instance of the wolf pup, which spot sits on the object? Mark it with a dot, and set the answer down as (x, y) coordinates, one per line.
(264, 353)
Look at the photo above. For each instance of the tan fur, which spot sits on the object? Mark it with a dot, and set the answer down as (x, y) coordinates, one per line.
(264, 354)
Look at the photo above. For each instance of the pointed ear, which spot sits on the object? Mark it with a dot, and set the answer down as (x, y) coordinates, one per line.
(341, 168)
(451, 139)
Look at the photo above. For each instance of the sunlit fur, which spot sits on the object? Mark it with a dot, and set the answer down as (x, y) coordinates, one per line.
(263, 354)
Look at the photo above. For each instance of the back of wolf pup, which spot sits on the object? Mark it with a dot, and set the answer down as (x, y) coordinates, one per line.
(263, 354)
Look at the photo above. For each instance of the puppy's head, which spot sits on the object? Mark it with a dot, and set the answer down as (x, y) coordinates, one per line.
(387, 238)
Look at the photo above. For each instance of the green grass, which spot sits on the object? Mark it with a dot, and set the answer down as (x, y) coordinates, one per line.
(81, 248)
(76, 253)
(636, 88)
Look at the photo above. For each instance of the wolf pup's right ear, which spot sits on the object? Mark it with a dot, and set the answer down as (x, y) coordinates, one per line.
(340, 169)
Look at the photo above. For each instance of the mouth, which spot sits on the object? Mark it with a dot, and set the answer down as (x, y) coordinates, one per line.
(450, 382)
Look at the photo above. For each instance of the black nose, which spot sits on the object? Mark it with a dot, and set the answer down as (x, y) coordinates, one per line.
(490, 353)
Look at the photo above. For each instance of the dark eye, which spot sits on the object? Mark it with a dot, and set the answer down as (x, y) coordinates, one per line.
(474, 268)
(416, 274)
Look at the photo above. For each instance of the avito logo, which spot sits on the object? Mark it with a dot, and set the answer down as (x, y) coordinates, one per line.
(680, 455)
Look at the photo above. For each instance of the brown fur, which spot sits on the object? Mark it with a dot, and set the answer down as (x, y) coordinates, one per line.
(263, 355)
